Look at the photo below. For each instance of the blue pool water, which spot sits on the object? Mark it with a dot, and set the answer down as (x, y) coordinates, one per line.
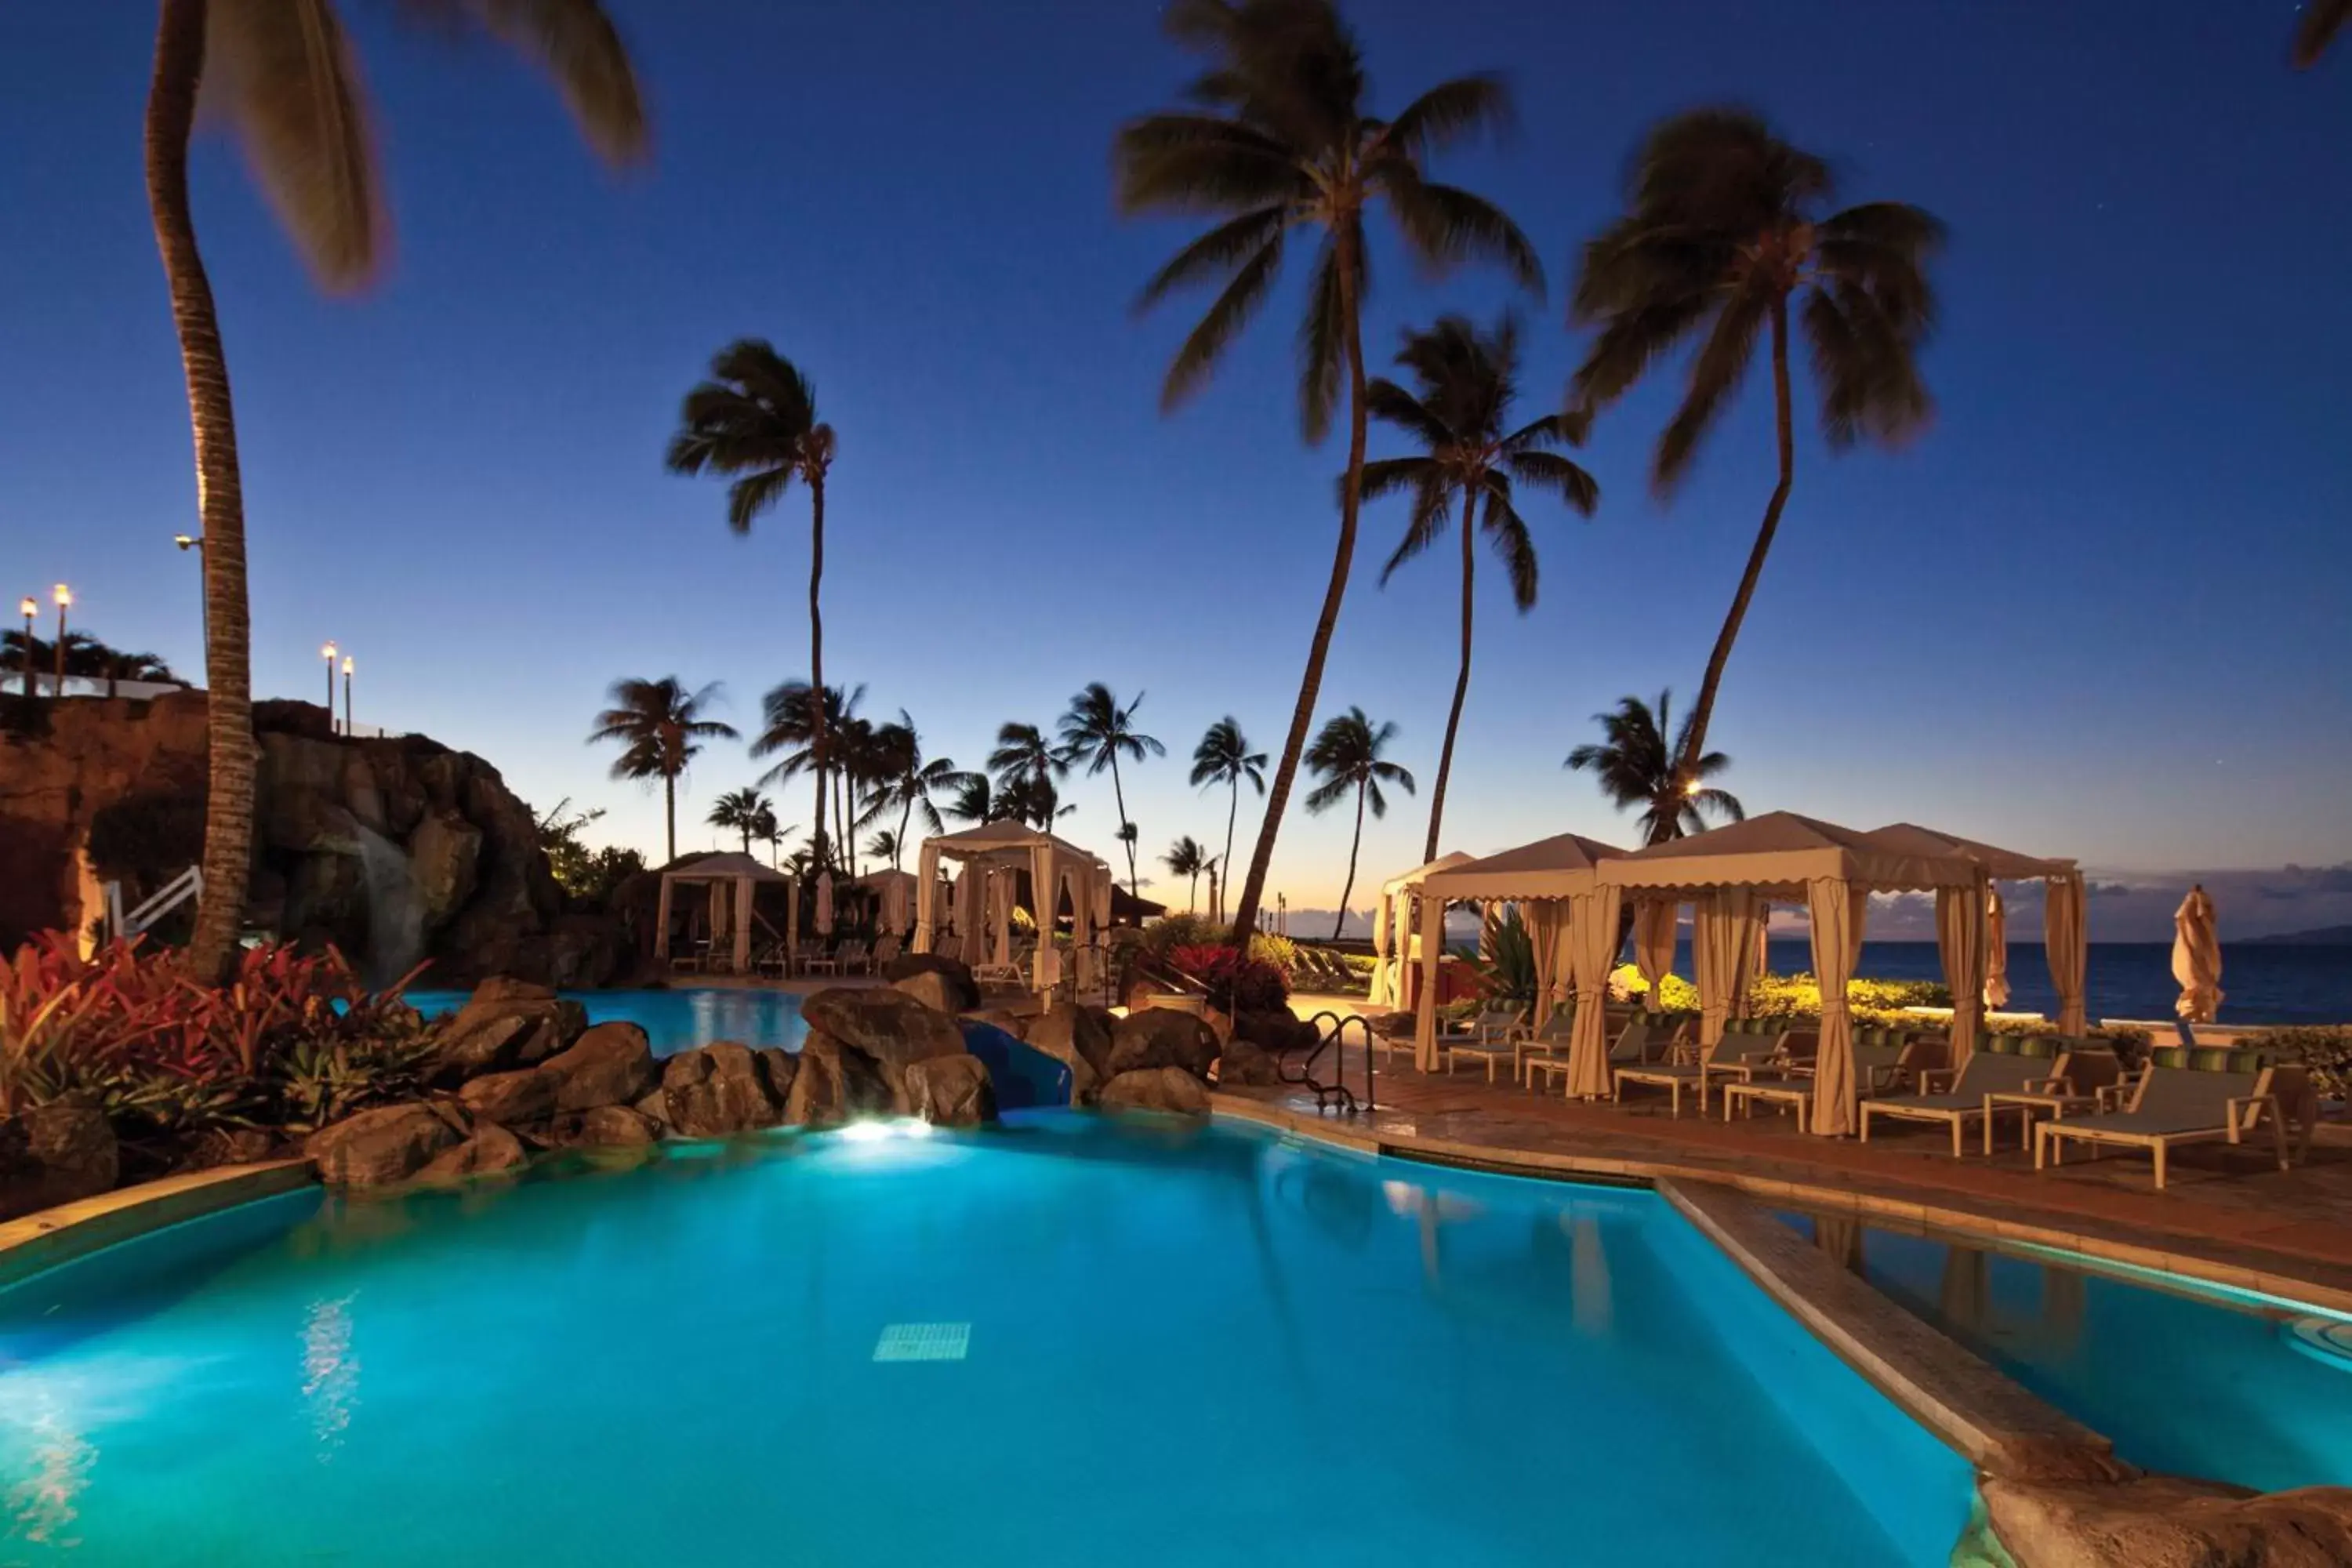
(1182, 1345)
(2205, 1383)
(675, 1020)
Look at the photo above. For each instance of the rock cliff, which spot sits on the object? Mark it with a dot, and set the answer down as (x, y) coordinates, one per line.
(394, 850)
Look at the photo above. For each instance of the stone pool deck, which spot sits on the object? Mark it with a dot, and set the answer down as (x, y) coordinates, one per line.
(2228, 1213)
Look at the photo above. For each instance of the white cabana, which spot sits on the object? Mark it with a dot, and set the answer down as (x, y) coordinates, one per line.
(992, 855)
(1394, 954)
(1553, 883)
(2063, 937)
(730, 881)
(894, 891)
(1833, 871)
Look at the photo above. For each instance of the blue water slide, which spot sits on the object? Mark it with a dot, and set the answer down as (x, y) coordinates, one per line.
(1025, 1078)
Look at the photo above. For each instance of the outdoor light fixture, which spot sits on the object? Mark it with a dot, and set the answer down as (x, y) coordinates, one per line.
(186, 540)
(347, 696)
(27, 607)
(877, 1132)
(328, 653)
(64, 596)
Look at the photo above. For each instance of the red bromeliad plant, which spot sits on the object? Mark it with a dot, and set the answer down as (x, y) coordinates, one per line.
(1236, 984)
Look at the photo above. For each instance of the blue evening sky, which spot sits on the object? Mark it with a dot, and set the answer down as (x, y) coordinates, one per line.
(2096, 610)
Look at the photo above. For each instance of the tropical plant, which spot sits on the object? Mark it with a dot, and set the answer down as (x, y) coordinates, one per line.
(1505, 964)
(1345, 760)
(2316, 28)
(771, 831)
(908, 780)
(660, 727)
(1725, 223)
(1022, 752)
(792, 729)
(86, 656)
(1223, 757)
(883, 845)
(857, 764)
(755, 420)
(1636, 767)
(1278, 137)
(1186, 858)
(1031, 799)
(743, 812)
(1237, 982)
(283, 76)
(1468, 381)
(974, 801)
(1096, 730)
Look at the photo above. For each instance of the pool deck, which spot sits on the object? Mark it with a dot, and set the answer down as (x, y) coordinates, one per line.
(2228, 1214)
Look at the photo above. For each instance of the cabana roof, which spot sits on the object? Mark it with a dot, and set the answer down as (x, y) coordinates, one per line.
(1779, 853)
(2001, 865)
(1555, 868)
(1001, 837)
(1413, 879)
(723, 866)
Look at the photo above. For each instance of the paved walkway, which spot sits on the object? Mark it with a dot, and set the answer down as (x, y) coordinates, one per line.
(2228, 1207)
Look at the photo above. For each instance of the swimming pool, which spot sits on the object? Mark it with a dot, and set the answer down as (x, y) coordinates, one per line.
(2191, 1379)
(1070, 1341)
(675, 1020)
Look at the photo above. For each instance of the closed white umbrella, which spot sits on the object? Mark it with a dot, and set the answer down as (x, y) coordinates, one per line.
(824, 903)
(1996, 990)
(2197, 957)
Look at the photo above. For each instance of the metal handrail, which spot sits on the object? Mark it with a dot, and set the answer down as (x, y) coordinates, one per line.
(188, 884)
(1335, 1094)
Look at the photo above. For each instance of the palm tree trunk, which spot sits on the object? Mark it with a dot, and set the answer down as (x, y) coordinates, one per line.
(669, 810)
(220, 497)
(1232, 813)
(1216, 905)
(898, 845)
(1353, 845)
(1695, 747)
(1348, 239)
(816, 649)
(1118, 798)
(1460, 681)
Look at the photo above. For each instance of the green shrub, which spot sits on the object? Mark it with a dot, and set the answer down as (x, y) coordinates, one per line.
(1675, 995)
(2324, 1050)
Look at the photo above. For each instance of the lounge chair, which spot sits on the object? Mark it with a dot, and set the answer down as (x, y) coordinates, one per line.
(1957, 1098)
(1883, 1059)
(1486, 1037)
(1633, 1048)
(851, 955)
(2185, 1096)
(1725, 1055)
(1548, 1038)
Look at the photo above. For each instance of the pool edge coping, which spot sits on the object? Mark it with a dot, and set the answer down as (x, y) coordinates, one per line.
(48, 1239)
(1543, 1165)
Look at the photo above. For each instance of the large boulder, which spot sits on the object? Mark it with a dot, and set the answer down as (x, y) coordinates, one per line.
(506, 1023)
(604, 1126)
(1245, 1066)
(1073, 1035)
(2163, 1521)
(55, 1154)
(391, 1143)
(1275, 1032)
(951, 1091)
(492, 1149)
(720, 1088)
(442, 854)
(933, 990)
(884, 1023)
(964, 991)
(510, 1099)
(835, 1084)
(1156, 1088)
(612, 1064)
(1160, 1037)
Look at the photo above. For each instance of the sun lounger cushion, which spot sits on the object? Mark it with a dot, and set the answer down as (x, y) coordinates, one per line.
(2208, 1059)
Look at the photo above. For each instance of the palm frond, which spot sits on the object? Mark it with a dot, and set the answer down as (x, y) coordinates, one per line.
(2316, 28)
(1508, 531)
(1562, 476)
(284, 73)
(1240, 301)
(576, 44)
(1446, 226)
(1453, 113)
(1427, 523)
(1219, 251)
(1322, 342)
(1716, 373)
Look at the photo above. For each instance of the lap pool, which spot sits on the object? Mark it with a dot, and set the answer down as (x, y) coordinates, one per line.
(1072, 1340)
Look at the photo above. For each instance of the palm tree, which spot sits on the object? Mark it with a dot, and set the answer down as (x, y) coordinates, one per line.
(1346, 758)
(756, 420)
(856, 763)
(1278, 137)
(1724, 224)
(1030, 799)
(1223, 757)
(1186, 858)
(768, 831)
(793, 729)
(745, 811)
(885, 846)
(284, 77)
(88, 657)
(659, 725)
(1467, 382)
(1098, 731)
(1636, 767)
(974, 802)
(908, 782)
(2317, 27)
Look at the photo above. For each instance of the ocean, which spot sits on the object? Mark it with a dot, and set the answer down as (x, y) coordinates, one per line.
(2260, 983)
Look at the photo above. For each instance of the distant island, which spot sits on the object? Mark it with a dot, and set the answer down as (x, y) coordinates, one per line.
(2324, 936)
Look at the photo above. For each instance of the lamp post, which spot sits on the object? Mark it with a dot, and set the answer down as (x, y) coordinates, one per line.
(64, 596)
(347, 694)
(196, 541)
(328, 653)
(28, 608)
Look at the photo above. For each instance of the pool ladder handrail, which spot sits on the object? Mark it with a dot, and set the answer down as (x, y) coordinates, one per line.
(1335, 1095)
